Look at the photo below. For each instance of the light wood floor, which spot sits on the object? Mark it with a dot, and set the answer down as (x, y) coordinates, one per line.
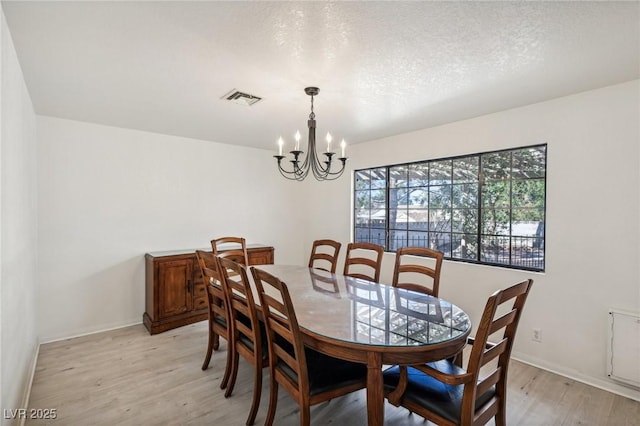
(127, 377)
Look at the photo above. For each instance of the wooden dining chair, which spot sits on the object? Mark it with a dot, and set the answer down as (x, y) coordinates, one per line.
(236, 249)
(218, 312)
(420, 274)
(325, 254)
(363, 260)
(445, 393)
(309, 376)
(246, 332)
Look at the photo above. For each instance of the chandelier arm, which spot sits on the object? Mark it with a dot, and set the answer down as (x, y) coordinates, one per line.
(338, 172)
(327, 174)
(292, 175)
(295, 174)
(283, 173)
(319, 171)
(332, 176)
(300, 172)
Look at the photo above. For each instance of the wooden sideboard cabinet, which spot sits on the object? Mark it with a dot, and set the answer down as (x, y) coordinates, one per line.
(175, 293)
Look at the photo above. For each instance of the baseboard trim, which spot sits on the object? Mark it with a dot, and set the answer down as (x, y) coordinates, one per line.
(613, 387)
(27, 391)
(89, 332)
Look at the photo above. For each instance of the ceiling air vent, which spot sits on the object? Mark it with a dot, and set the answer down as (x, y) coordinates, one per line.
(241, 98)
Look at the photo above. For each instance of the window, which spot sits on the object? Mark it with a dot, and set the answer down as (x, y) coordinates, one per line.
(483, 208)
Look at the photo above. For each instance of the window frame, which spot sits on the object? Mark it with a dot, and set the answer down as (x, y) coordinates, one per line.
(537, 240)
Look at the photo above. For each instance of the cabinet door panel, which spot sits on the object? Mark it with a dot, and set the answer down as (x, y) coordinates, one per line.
(174, 280)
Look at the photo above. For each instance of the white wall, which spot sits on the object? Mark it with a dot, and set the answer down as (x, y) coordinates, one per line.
(593, 218)
(18, 232)
(109, 195)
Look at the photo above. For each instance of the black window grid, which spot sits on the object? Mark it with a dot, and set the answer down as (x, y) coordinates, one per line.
(503, 247)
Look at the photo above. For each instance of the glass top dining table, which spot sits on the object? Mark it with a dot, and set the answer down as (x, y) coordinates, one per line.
(372, 323)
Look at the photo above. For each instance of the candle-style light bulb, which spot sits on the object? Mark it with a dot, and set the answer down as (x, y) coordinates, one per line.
(329, 139)
(280, 144)
(343, 145)
(297, 136)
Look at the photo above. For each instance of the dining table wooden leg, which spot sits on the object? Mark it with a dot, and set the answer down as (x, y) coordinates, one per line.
(375, 390)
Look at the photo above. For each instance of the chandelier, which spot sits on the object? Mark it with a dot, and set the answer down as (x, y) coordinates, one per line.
(320, 167)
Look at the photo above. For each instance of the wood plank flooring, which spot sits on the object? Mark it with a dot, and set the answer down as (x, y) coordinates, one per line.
(127, 377)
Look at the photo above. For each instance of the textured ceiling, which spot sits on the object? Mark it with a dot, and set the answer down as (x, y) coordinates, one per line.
(383, 68)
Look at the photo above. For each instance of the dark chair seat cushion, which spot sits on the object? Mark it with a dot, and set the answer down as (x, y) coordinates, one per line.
(443, 399)
(326, 373)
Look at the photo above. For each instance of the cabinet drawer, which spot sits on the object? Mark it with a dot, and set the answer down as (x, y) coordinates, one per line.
(200, 303)
(197, 275)
(199, 290)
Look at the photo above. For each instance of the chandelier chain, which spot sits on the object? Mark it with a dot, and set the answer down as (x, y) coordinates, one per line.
(312, 116)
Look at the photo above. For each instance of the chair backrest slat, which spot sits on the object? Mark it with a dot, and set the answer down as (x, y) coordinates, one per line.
(486, 383)
(402, 269)
(503, 321)
(486, 412)
(355, 258)
(274, 303)
(494, 351)
(286, 357)
(516, 290)
(418, 269)
(282, 330)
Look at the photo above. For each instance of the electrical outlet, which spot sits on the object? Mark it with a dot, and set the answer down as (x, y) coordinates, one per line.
(536, 336)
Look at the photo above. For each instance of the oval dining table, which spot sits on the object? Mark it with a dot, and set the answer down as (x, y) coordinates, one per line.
(371, 323)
